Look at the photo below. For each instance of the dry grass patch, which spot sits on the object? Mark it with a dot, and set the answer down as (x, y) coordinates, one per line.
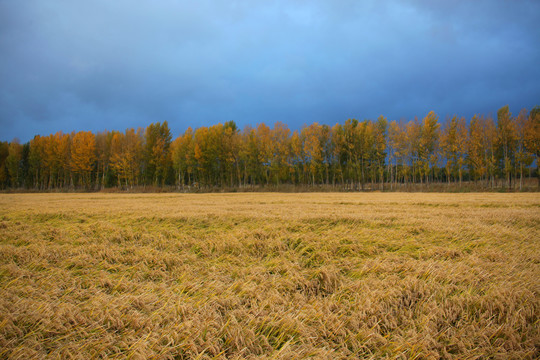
(234, 276)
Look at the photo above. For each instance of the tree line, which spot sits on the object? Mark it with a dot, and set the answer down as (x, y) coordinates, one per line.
(360, 155)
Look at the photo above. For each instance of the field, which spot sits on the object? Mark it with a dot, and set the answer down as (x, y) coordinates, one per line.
(284, 276)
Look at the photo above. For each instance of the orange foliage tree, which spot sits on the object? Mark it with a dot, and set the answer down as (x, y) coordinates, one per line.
(83, 156)
(367, 154)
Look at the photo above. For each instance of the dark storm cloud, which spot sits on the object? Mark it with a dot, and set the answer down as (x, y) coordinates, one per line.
(73, 65)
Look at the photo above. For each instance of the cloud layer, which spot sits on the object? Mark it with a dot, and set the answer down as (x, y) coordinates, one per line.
(73, 65)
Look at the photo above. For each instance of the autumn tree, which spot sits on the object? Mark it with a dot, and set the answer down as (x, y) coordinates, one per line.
(462, 140)
(83, 156)
(298, 158)
(397, 147)
(350, 142)
(13, 163)
(428, 142)
(126, 156)
(338, 153)
(506, 138)
(280, 153)
(157, 157)
(208, 155)
(328, 151)
(490, 143)
(202, 154)
(230, 143)
(380, 139)
(364, 148)
(117, 158)
(532, 137)
(312, 149)
(4, 153)
(249, 156)
(454, 141)
(476, 149)
(36, 162)
(413, 149)
(264, 150)
(56, 157)
(183, 157)
(103, 157)
(523, 157)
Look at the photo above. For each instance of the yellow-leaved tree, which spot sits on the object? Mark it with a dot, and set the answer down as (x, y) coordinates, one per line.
(83, 156)
(532, 136)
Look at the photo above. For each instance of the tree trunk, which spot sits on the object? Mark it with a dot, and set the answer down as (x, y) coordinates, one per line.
(520, 177)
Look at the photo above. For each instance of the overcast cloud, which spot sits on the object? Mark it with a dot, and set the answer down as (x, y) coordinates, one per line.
(70, 65)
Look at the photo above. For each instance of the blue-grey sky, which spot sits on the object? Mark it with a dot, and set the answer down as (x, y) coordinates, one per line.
(70, 65)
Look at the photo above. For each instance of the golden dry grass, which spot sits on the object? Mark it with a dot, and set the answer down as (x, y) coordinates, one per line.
(282, 276)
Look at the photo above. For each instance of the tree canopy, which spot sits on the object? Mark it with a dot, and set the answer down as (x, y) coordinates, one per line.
(366, 154)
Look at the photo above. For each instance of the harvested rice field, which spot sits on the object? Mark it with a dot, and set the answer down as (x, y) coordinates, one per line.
(270, 276)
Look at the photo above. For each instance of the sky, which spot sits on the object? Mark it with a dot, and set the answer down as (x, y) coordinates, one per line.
(71, 65)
